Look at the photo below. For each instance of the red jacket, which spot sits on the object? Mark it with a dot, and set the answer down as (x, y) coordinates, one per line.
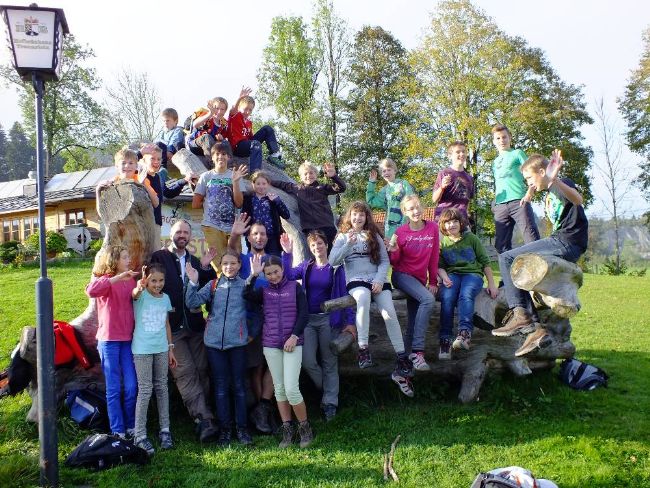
(239, 129)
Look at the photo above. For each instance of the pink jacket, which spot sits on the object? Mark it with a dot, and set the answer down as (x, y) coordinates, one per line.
(114, 308)
(418, 252)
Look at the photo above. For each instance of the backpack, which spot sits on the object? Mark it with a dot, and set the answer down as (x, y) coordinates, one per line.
(17, 376)
(582, 376)
(67, 347)
(101, 451)
(88, 409)
(489, 480)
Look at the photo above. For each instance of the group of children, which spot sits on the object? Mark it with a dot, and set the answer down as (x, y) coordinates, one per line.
(440, 258)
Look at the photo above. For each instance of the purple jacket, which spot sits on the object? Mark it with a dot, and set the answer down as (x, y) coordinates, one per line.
(338, 318)
(285, 310)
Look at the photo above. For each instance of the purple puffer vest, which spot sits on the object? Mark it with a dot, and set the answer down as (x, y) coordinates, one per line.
(280, 313)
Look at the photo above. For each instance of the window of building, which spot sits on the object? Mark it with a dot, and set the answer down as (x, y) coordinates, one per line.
(15, 230)
(6, 230)
(30, 226)
(75, 216)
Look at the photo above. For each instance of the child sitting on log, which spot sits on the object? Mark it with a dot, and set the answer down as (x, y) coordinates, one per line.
(568, 241)
(463, 262)
(208, 127)
(244, 142)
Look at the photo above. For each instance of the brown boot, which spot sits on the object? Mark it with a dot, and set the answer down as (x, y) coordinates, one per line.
(306, 434)
(536, 340)
(516, 321)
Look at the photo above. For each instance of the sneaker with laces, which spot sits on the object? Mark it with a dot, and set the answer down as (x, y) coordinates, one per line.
(243, 436)
(365, 359)
(288, 431)
(225, 434)
(206, 430)
(276, 161)
(537, 340)
(516, 321)
(462, 340)
(165, 439)
(444, 353)
(418, 361)
(403, 382)
(329, 411)
(145, 444)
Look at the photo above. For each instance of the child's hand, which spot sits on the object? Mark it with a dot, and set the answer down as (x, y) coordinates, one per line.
(256, 264)
(239, 172)
(330, 170)
(492, 290)
(554, 166)
(352, 236)
(373, 175)
(433, 289)
(286, 242)
(172, 359)
(272, 196)
(377, 287)
(104, 184)
(126, 275)
(142, 282)
(192, 274)
(208, 256)
(290, 344)
(245, 91)
(391, 244)
(352, 329)
(446, 181)
(218, 138)
(241, 224)
(528, 196)
(447, 282)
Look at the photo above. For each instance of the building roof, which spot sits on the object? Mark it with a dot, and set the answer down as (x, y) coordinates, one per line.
(79, 185)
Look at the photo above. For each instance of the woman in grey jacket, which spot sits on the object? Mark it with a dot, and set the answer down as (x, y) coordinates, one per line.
(225, 337)
(360, 248)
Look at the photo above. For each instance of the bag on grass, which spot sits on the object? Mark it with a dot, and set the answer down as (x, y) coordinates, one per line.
(101, 451)
(17, 376)
(511, 477)
(88, 409)
(582, 376)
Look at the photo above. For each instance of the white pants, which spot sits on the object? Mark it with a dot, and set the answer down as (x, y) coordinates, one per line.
(384, 301)
(285, 371)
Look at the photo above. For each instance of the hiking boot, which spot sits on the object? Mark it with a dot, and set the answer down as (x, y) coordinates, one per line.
(403, 382)
(260, 417)
(329, 411)
(365, 360)
(341, 343)
(165, 439)
(243, 436)
(225, 434)
(306, 434)
(146, 444)
(418, 361)
(444, 353)
(276, 161)
(516, 321)
(207, 430)
(462, 340)
(288, 432)
(537, 340)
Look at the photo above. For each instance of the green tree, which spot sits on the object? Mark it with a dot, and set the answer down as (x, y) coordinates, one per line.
(287, 82)
(471, 75)
(634, 105)
(72, 118)
(379, 73)
(20, 155)
(332, 42)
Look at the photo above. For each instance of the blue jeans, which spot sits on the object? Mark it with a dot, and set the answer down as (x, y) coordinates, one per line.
(506, 215)
(463, 291)
(551, 246)
(229, 366)
(253, 147)
(419, 303)
(119, 372)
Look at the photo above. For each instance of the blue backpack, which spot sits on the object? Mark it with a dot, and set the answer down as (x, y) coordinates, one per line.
(582, 376)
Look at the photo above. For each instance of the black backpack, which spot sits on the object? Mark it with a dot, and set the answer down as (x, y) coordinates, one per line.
(488, 480)
(582, 376)
(101, 451)
(88, 408)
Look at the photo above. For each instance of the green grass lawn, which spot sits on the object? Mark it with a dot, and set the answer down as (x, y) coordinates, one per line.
(578, 439)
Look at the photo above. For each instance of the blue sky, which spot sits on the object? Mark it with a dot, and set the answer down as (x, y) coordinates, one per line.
(196, 50)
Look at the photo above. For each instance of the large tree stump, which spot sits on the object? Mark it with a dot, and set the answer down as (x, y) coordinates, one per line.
(553, 284)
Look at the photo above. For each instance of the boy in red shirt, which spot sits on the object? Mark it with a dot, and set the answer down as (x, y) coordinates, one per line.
(242, 139)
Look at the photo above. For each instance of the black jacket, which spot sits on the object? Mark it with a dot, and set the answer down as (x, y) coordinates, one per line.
(277, 210)
(181, 316)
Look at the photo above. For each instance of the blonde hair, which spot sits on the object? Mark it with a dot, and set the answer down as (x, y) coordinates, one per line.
(150, 148)
(107, 259)
(213, 102)
(246, 100)
(534, 163)
(388, 162)
(408, 198)
(261, 174)
(307, 165)
(127, 154)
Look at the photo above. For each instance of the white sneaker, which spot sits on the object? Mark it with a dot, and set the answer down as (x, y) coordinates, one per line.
(419, 363)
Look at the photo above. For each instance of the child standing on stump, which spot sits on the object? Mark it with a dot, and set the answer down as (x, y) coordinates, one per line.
(244, 142)
(226, 336)
(219, 192)
(454, 187)
(568, 241)
(313, 203)
(285, 310)
(111, 286)
(390, 196)
(463, 262)
(360, 248)
(511, 198)
(153, 354)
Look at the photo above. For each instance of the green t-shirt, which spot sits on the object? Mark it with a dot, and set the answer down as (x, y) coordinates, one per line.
(509, 183)
(465, 256)
(389, 199)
